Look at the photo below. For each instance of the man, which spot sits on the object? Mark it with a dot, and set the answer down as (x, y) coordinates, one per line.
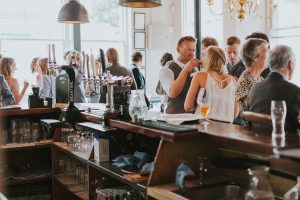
(175, 76)
(238, 68)
(232, 51)
(277, 87)
(115, 68)
(207, 42)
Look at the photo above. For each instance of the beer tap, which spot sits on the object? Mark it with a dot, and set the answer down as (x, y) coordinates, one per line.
(92, 58)
(88, 89)
(83, 68)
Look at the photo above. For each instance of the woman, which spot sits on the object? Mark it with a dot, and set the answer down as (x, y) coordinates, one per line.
(47, 82)
(34, 69)
(137, 59)
(220, 87)
(254, 54)
(7, 68)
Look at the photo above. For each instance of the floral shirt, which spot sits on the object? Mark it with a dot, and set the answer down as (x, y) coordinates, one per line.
(245, 83)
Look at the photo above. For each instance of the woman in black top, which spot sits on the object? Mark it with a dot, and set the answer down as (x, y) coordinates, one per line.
(137, 59)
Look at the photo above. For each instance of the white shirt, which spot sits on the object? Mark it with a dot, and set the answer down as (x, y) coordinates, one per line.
(166, 76)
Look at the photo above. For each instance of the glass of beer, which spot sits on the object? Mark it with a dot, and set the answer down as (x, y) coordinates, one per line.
(204, 107)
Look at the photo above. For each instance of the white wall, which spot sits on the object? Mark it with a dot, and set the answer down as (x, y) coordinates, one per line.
(167, 15)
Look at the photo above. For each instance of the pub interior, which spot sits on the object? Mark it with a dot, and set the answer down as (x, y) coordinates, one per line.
(149, 99)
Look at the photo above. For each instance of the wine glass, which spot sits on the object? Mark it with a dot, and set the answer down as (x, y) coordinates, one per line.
(278, 114)
(204, 105)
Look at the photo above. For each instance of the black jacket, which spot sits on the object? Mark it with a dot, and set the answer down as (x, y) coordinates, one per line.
(238, 68)
(276, 87)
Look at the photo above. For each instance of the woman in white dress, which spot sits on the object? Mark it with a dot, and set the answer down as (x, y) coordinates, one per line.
(217, 84)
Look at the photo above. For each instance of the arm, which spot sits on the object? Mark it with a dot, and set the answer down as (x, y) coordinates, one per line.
(15, 91)
(21, 95)
(197, 82)
(136, 75)
(177, 86)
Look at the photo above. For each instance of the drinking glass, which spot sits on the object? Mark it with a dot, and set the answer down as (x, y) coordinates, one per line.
(164, 101)
(204, 105)
(278, 113)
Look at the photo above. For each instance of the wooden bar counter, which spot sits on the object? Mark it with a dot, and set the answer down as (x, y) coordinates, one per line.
(215, 141)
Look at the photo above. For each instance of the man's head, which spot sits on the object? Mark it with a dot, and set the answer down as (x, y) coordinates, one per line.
(282, 60)
(258, 35)
(112, 55)
(232, 49)
(186, 48)
(137, 58)
(207, 42)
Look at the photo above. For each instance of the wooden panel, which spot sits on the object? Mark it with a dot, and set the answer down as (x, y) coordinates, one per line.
(33, 111)
(170, 155)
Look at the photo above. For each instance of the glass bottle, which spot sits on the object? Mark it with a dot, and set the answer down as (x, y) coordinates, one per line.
(259, 188)
(294, 193)
(137, 105)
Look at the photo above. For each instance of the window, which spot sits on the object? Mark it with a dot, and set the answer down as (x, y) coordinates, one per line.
(27, 26)
(107, 27)
(211, 22)
(287, 31)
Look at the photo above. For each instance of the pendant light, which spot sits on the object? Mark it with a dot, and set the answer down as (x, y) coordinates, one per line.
(73, 12)
(140, 3)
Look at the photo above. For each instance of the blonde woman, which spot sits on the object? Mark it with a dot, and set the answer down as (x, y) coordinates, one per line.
(217, 84)
(47, 83)
(7, 68)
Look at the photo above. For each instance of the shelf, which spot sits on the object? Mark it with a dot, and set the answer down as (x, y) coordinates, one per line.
(21, 146)
(83, 157)
(26, 178)
(32, 111)
(72, 185)
(115, 172)
(96, 126)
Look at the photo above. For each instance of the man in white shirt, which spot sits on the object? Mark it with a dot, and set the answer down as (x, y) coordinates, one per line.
(175, 77)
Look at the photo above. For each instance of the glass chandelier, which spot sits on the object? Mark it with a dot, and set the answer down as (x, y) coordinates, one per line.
(239, 9)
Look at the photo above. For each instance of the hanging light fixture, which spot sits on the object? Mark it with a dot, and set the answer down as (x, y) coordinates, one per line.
(140, 3)
(241, 8)
(73, 12)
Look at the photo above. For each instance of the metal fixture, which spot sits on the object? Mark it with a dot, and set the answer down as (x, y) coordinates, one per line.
(140, 3)
(241, 8)
(73, 12)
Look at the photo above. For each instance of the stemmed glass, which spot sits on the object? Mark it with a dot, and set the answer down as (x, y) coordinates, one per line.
(164, 101)
(203, 102)
(278, 114)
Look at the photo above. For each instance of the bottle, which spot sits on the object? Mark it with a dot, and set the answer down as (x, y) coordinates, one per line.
(294, 193)
(137, 105)
(260, 188)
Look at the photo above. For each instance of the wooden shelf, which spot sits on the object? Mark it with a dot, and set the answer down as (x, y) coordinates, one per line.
(33, 111)
(83, 157)
(31, 145)
(115, 172)
(73, 186)
(26, 178)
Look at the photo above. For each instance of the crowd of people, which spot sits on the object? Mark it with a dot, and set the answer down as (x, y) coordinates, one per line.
(239, 78)
(247, 79)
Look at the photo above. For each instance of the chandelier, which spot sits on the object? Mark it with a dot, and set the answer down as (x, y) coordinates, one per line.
(240, 8)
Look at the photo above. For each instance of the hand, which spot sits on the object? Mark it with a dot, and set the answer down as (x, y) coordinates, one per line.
(25, 84)
(192, 64)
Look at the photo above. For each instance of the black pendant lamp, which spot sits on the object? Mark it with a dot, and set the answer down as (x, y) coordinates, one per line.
(140, 3)
(73, 12)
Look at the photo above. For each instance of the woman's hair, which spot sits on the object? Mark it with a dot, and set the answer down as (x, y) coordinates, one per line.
(43, 64)
(33, 62)
(6, 66)
(112, 55)
(209, 41)
(166, 58)
(251, 49)
(136, 56)
(216, 59)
